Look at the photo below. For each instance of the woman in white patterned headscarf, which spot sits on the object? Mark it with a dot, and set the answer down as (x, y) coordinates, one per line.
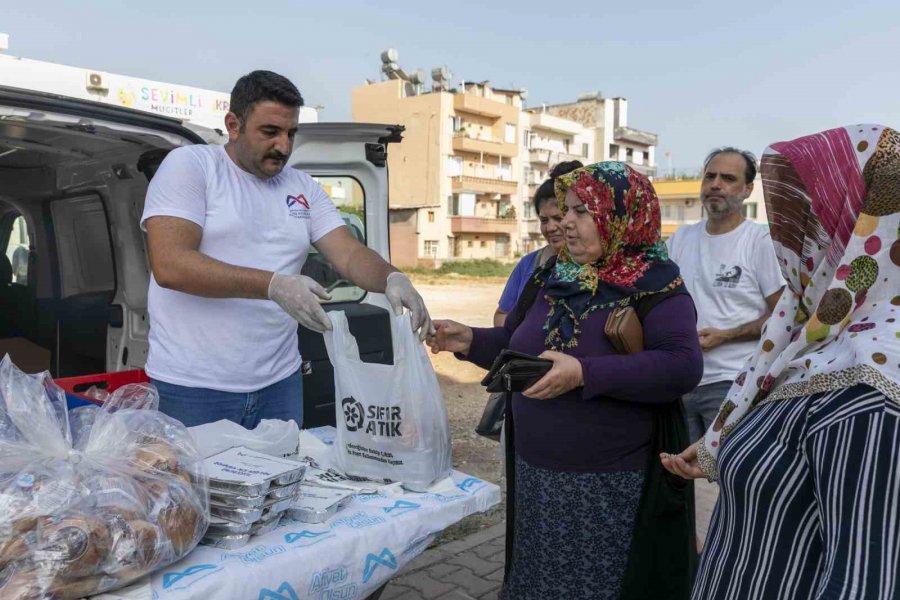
(806, 446)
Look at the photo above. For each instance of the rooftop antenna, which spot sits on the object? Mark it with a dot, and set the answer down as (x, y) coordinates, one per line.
(389, 65)
(440, 78)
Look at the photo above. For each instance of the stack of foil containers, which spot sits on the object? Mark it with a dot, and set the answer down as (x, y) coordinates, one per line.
(249, 492)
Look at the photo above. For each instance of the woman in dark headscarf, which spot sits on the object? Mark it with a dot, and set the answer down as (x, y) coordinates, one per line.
(807, 443)
(583, 433)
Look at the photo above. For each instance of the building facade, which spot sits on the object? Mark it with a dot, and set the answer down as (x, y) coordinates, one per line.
(463, 179)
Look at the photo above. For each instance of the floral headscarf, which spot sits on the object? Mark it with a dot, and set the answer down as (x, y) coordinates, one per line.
(832, 200)
(635, 264)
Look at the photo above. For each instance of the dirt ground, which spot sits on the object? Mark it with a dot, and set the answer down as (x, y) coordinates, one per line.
(469, 301)
(472, 301)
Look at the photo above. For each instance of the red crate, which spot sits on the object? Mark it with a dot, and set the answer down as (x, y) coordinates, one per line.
(109, 382)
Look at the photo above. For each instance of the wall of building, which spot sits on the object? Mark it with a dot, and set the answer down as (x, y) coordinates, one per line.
(403, 237)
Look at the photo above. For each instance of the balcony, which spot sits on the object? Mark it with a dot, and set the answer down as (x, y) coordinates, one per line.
(542, 120)
(477, 105)
(462, 143)
(645, 170)
(482, 225)
(533, 227)
(552, 157)
(635, 136)
(484, 185)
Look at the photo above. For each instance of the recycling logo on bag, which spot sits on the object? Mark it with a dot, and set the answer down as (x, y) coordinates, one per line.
(354, 413)
(384, 421)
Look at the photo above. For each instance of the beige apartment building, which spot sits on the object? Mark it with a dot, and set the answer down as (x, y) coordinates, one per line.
(462, 180)
(453, 194)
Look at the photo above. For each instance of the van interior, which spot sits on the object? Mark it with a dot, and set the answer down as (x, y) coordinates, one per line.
(71, 189)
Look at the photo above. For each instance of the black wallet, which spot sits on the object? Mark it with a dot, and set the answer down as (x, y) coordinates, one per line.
(515, 372)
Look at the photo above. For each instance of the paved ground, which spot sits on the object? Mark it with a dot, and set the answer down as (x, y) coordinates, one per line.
(472, 568)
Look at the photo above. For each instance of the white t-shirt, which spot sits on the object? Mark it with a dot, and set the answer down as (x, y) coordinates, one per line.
(729, 276)
(231, 344)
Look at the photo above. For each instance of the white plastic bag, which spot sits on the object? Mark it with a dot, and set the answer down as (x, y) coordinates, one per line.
(271, 436)
(77, 521)
(391, 421)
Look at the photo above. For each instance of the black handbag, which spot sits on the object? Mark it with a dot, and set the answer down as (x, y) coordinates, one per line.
(491, 422)
(511, 372)
(515, 372)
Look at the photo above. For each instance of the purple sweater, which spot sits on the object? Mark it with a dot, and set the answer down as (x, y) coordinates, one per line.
(607, 424)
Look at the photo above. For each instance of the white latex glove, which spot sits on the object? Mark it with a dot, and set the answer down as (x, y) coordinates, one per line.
(400, 292)
(299, 296)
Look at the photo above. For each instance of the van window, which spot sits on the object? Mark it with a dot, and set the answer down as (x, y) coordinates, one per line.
(83, 246)
(349, 198)
(17, 250)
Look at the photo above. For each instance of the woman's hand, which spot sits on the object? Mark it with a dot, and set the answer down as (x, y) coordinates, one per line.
(450, 336)
(565, 375)
(684, 465)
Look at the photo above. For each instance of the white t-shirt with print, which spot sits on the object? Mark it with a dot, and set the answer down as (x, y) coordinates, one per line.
(729, 276)
(231, 344)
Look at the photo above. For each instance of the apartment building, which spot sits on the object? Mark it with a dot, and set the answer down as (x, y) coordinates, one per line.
(462, 180)
(453, 193)
(547, 141)
(613, 138)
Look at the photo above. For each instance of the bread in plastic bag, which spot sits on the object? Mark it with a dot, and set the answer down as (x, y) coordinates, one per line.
(76, 520)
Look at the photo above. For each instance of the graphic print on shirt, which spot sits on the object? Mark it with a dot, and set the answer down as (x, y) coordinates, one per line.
(298, 206)
(728, 277)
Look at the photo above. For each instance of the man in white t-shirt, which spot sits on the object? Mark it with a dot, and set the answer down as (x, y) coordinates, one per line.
(228, 230)
(728, 264)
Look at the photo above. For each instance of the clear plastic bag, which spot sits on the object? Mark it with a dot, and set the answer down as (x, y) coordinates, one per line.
(77, 520)
(271, 436)
(391, 421)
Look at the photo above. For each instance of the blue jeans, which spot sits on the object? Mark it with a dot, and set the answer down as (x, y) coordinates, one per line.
(701, 407)
(196, 406)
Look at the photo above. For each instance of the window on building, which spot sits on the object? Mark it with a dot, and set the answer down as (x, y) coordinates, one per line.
(453, 205)
(483, 244)
(431, 218)
(585, 150)
(613, 152)
(469, 244)
(629, 154)
(528, 139)
(454, 166)
(510, 133)
(527, 209)
(431, 247)
(455, 124)
(451, 246)
(566, 145)
(672, 213)
(750, 210)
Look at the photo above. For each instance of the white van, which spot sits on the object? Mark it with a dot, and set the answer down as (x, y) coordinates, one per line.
(74, 271)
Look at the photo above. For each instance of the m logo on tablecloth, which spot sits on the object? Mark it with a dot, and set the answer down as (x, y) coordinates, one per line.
(284, 592)
(172, 578)
(383, 559)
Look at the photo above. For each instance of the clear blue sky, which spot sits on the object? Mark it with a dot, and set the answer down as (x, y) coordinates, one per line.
(700, 74)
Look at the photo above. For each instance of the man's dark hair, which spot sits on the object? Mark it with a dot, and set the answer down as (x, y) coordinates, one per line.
(749, 160)
(546, 190)
(260, 86)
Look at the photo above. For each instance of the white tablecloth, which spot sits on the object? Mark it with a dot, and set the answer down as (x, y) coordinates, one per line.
(349, 556)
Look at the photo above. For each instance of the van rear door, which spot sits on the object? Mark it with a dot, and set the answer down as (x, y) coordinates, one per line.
(349, 160)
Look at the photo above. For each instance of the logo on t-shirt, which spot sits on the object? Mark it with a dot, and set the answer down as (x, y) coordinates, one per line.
(298, 206)
(728, 277)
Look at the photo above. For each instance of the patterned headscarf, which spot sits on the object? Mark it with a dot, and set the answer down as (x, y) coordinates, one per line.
(635, 264)
(832, 200)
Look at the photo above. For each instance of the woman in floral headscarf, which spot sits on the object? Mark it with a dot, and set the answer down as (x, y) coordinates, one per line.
(583, 433)
(807, 444)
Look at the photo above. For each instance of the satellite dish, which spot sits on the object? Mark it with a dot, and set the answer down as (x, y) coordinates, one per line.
(390, 56)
